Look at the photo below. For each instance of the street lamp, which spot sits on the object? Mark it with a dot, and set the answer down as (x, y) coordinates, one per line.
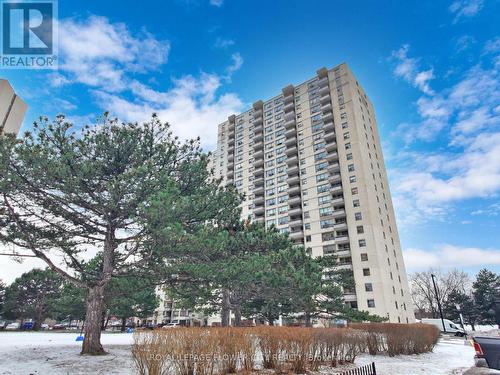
(439, 303)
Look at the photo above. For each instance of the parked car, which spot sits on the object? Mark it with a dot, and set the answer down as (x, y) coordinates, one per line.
(448, 324)
(171, 325)
(487, 352)
(12, 326)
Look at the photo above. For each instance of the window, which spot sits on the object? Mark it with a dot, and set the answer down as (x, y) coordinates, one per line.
(368, 287)
(282, 209)
(325, 211)
(364, 257)
(350, 167)
(322, 177)
(323, 188)
(355, 203)
(366, 272)
(321, 166)
(360, 229)
(358, 216)
(328, 236)
(283, 220)
(324, 199)
(354, 191)
(362, 243)
(270, 202)
(328, 249)
(370, 302)
(352, 179)
(347, 146)
(327, 223)
(271, 212)
(349, 156)
(347, 135)
(345, 125)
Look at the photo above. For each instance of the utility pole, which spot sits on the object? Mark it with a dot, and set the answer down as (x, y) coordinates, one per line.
(439, 303)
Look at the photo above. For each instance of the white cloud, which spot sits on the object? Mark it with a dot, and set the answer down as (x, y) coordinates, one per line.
(426, 185)
(236, 63)
(99, 53)
(464, 42)
(465, 8)
(408, 69)
(192, 106)
(216, 3)
(447, 255)
(223, 43)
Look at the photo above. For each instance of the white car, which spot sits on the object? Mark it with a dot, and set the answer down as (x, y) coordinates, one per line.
(12, 326)
(449, 326)
(171, 325)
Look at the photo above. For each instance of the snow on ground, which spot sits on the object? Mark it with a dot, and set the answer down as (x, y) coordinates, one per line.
(58, 353)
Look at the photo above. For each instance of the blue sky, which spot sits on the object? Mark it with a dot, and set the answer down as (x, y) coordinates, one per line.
(430, 67)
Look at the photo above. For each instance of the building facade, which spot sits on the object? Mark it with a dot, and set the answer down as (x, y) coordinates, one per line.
(310, 163)
(12, 109)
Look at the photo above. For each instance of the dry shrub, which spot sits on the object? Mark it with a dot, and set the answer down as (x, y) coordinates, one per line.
(150, 351)
(396, 339)
(220, 351)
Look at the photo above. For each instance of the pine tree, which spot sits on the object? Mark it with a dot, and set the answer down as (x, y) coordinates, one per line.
(486, 292)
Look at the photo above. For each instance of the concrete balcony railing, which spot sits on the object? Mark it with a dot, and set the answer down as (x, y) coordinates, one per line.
(294, 180)
(294, 190)
(258, 172)
(338, 213)
(334, 167)
(290, 123)
(293, 171)
(335, 178)
(292, 160)
(290, 106)
(258, 137)
(331, 146)
(295, 211)
(296, 223)
(327, 116)
(327, 107)
(332, 156)
(294, 200)
(340, 226)
(296, 235)
(257, 128)
(291, 141)
(336, 189)
(291, 133)
(325, 98)
(291, 150)
(259, 154)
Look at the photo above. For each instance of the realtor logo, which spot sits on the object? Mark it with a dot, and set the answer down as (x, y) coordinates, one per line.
(29, 38)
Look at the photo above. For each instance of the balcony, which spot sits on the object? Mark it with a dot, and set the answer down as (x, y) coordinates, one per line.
(294, 180)
(342, 239)
(292, 141)
(330, 136)
(323, 90)
(259, 200)
(332, 156)
(229, 181)
(289, 106)
(230, 158)
(340, 226)
(338, 213)
(258, 155)
(288, 98)
(294, 190)
(334, 167)
(336, 189)
(290, 133)
(291, 150)
(258, 162)
(289, 116)
(327, 116)
(257, 113)
(259, 172)
(294, 201)
(258, 137)
(257, 128)
(258, 210)
(292, 160)
(297, 235)
(331, 146)
(230, 168)
(337, 201)
(293, 171)
(327, 107)
(295, 211)
(325, 98)
(335, 178)
(259, 181)
(290, 124)
(258, 146)
(230, 142)
(259, 190)
(296, 223)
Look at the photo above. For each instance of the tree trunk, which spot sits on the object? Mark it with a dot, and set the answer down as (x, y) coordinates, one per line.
(124, 323)
(38, 321)
(237, 315)
(308, 319)
(226, 310)
(92, 330)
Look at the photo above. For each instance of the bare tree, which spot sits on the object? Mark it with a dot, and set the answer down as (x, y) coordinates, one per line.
(424, 296)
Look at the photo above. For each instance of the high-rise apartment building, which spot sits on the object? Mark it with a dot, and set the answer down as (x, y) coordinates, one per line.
(12, 109)
(310, 163)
